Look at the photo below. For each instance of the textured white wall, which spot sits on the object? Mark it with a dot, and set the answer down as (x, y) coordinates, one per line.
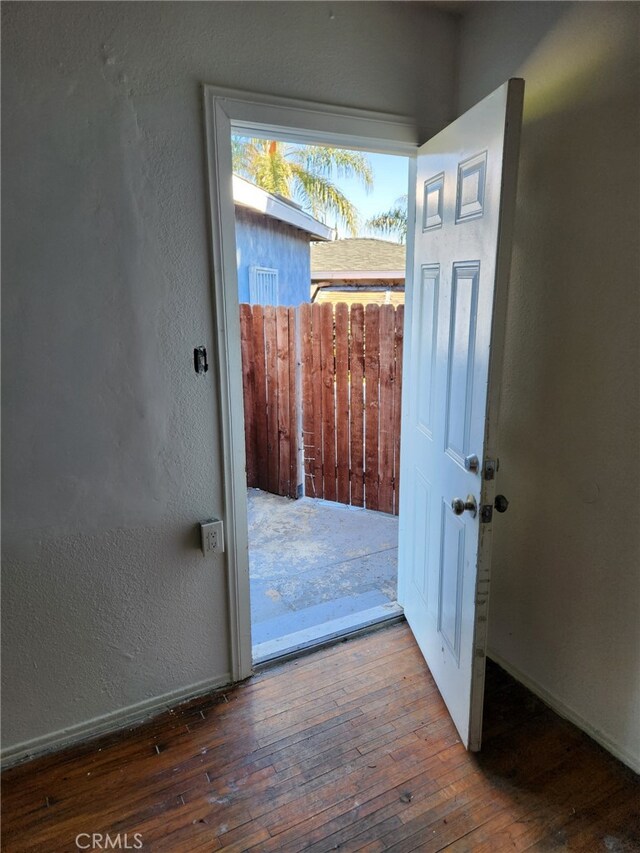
(110, 441)
(565, 601)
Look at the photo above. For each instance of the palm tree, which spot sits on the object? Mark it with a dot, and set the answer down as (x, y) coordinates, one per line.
(392, 222)
(303, 173)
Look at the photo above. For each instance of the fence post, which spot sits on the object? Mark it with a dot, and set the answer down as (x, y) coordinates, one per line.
(387, 357)
(306, 398)
(372, 404)
(297, 450)
(249, 394)
(397, 407)
(356, 404)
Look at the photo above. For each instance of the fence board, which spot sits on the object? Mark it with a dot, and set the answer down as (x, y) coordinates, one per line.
(342, 402)
(372, 405)
(385, 434)
(294, 422)
(271, 366)
(308, 435)
(316, 381)
(330, 377)
(248, 388)
(356, 363)
(397, 407)
(282, 402)
(327, 362)
(260, 397)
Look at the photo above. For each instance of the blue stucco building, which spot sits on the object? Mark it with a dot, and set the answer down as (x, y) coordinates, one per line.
(272, 246)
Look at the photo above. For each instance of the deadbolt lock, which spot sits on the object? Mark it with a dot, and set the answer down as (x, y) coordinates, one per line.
(472, 463)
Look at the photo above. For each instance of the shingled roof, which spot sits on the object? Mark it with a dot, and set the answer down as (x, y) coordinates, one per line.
(358, 254)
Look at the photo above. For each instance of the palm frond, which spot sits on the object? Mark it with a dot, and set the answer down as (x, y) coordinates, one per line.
(332, 162)
(263, 162)
(273, 173)
(244, 151)
(241, 152)
(392, 222)
(320, 196)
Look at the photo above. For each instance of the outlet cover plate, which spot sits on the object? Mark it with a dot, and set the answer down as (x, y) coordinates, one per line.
(212, 537)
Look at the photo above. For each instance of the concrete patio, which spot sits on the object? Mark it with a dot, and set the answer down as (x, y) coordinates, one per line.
(317, 570)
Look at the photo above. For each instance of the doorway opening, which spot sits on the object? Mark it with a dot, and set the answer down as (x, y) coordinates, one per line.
(319, 236)
(257, 115)
(466, 176)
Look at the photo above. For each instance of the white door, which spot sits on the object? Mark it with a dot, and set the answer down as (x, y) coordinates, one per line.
(465, 198)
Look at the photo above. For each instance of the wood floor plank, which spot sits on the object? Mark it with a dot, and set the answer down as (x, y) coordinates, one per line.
(352, 829)
(349, 748)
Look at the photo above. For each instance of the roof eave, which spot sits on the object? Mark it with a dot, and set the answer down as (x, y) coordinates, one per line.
(246, 194)
(355, 275)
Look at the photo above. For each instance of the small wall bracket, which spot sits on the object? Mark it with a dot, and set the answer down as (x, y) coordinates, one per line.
(200, 363)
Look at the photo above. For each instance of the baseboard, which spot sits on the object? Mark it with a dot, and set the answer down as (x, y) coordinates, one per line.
(568, 713)
(107, 723)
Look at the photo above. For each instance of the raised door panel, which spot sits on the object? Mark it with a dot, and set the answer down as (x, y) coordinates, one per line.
(427, 311)
(420, 561)
(451, 572)
(462, 325)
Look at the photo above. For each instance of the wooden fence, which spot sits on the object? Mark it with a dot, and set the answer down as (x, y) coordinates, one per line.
(326, 379)
(270, 386)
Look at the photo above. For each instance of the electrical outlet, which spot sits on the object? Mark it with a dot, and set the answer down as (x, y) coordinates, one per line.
(212, 537)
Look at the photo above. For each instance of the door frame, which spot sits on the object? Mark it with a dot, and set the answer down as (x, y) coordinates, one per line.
(303, 122)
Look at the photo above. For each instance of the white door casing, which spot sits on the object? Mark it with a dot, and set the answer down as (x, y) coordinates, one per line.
(465, 198)
(226, 111)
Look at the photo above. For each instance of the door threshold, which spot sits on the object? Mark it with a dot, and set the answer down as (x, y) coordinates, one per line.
(325, 634)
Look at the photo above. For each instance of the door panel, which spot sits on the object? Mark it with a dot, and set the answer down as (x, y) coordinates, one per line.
(450, 581)
(465, 195)
(427, 309)
(462, 329)
(422, 506)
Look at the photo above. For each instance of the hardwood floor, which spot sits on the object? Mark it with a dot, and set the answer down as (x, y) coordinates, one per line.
(347, 749)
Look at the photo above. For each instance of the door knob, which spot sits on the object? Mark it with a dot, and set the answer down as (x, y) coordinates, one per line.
(501, 503)
(459, 506)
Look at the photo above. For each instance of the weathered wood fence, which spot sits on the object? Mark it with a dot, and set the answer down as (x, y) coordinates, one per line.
(269, 378)
(322, 397)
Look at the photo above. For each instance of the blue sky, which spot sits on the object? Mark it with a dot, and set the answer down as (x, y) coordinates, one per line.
(390, 181)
